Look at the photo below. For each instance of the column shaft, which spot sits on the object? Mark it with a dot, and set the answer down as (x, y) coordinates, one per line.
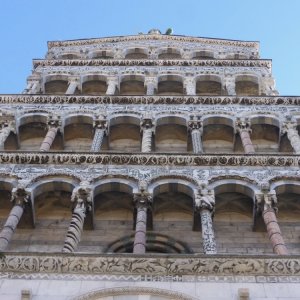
(274, 232)
(246, 140)
(71, 88)
(139, 246)
(147, 140)
(4, 133)
(150, 88)
(97, 140)
(294, 138)
(49, 138)
(10, 226)
(74, 231)
(196, 140)
(111, 88)
(208, 235)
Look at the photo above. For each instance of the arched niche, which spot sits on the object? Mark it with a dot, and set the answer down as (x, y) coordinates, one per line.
(132, 85)
(209, 85)
(203, 54)
(169, 53)
(94, 85)
(171, 85)
(136, 53)
(56, 84)
(101, 54)
(246, 85)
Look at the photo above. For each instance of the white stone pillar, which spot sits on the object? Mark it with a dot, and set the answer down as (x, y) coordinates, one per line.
(6, 128)
(112, 84)
(73, 84)
(147, 128)
(195, 128)
(100, 126)
(229, 83)
(82, 202)
(190, 86)
(243, 127)
(35, 87)
(20, 197)
(53, 127)
(151, 85)
(290, 128)
(204, 204)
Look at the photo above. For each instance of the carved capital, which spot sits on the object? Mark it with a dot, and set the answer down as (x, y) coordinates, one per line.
(20, 195)
(147, 122)
(54, 121)
(205, 199)
(195, 123)
(243, 124)
(82, 196)
(142, 198)
(100, 122)
(6, 125)
(266, 199)
(288, 125)
(151, 80)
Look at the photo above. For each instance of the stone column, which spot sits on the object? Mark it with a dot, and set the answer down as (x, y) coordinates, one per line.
(142, 201)
(100, 126)
(204, 204)
(195, 128)
(6, 128)
(267, 201)
(20, 197)
(290, 128)
(244, 129)
(53, 127)
(151, 85)
(229, 84)
(190, 86)
(35, 87)
(112, 83)
(73, 84)
(82, 202)
(147, 128)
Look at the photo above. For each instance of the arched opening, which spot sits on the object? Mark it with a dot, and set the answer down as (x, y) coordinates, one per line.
(78, 133)
(171, 135)
(170, 85)
(288, 199)
(203, 54)
(218, 135)
(233, 220)
(265, 134)
(5, 199)
(132, 85)
(56, 85)
(124, 134)
(246, 85)
(173, 214)
(69, 56)
(209, 85)
(94, 85)
(169, 53)
(136, 53)
(102, 55)
(236, 56)
(52, 203)
(32, 131)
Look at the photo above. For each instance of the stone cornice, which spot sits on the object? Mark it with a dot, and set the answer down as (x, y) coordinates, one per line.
(207, 100)
(150, 159)
(121, 264)
(266, 63)
(141, 37)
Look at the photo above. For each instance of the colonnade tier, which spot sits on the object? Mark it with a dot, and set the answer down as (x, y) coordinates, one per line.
(244, 84)
(137, 52)
(134, 132)
(147, 198)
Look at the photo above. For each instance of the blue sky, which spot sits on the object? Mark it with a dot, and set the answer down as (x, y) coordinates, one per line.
(27, 25)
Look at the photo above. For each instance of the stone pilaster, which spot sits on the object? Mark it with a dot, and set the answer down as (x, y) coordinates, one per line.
(20, 197)
(73, 85)
(266, 202)
(229, 83)
(195, 127)
(290, 128)
(112, 84)
(53, 127)
(204, 204)
(82, 200)
(142, 201)
(6, 127)
(100, 126)
(243, 127)
(190, 86)
(147, 128)
(33, 86)
(151, 85)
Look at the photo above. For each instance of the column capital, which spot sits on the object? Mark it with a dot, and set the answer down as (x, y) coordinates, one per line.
(82, 196)
(75, 79)
(147, 122)
(243, 124)
(8, 125)
(54, 121)
(20, 195)
(142, 198)
(195, 123)
(100, 122)
(288, 125)
(266, 199)
(151, 80)
(205, 199)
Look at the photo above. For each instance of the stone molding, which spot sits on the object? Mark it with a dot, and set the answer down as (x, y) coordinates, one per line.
(188, 100)
(129, 264)
(266, 63)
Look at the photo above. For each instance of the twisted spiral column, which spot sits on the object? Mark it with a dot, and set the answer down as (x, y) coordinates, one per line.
(53, 127)
(111, 86)
(147, 128)
(243, 128)
(195, 127)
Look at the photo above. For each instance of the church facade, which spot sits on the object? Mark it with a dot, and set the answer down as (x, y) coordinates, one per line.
(150, 166)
